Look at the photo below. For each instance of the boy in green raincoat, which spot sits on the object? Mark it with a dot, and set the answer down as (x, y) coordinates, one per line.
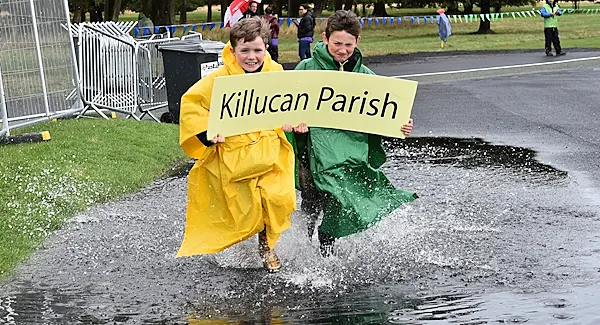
(338, 170)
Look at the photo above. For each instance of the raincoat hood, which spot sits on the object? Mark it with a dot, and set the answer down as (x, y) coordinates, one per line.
(327, 62)
(201, 93)
(234, 68)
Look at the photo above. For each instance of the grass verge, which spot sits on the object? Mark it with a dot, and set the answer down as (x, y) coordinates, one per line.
(86, 162)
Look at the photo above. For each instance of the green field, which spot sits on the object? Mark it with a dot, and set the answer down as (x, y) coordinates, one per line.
(576, 30)
(86, 162)
(199, 16)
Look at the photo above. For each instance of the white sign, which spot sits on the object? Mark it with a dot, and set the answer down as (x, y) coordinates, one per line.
(208, 67)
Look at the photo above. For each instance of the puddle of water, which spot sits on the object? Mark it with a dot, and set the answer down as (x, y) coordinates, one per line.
(492, 234)
(441, 306)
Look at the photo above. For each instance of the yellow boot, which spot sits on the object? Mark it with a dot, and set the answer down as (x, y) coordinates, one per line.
(442, 44)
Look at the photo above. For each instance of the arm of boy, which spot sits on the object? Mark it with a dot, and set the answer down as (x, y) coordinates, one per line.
(218, 139)
(301, 128)
(407, 128)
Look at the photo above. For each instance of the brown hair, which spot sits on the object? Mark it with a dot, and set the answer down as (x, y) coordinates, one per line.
(343, 20)
(248, 29)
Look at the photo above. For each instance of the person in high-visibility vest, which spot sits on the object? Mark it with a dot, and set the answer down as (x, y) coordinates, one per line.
(550, 12)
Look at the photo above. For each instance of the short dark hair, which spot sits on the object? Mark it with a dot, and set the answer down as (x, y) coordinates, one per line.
(343, 20)
(304, 5)
(248, 30)
(268, 11)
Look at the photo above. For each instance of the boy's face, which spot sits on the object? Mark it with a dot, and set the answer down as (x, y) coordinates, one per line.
(341, 45)
(302, 10)
(250, 55)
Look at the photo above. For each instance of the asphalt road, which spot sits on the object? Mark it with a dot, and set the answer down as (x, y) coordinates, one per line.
(550, 108)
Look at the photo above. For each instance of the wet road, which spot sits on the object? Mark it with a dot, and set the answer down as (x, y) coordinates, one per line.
(500, 233)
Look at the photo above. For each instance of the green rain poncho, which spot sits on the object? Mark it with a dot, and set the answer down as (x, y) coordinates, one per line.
(345, 166)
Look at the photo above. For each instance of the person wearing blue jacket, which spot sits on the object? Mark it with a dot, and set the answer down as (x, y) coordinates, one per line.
(550, 12)
(445, 29)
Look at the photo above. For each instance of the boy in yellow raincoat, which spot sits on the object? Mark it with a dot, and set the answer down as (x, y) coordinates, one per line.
(241, 185)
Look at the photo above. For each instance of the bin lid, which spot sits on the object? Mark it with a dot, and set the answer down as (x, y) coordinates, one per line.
(193, 46)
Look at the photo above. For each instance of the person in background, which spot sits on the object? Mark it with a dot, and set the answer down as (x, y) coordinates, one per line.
(444, 29)
(251, 12)
(306, 31)
(550, 12)
(273, 48)
(144, 21)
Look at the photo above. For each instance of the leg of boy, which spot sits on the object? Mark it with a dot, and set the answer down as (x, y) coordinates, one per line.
(556, 41)
(548, 35)
(278, 198)
(312, 200)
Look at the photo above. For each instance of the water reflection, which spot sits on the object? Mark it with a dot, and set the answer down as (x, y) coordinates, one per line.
(364, 307)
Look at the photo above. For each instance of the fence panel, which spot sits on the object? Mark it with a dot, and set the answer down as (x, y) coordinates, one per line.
(107, 65)
(152, 82)
(37, 61)
(57, 51)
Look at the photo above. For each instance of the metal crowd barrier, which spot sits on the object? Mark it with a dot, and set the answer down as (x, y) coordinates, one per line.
(107, 70)
(152, 82)
(119, 73)
(38, 74)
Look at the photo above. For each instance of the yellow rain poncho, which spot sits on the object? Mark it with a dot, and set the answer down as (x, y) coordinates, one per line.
(238, 187)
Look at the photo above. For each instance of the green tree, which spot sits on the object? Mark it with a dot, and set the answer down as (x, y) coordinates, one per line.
(486, 5)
